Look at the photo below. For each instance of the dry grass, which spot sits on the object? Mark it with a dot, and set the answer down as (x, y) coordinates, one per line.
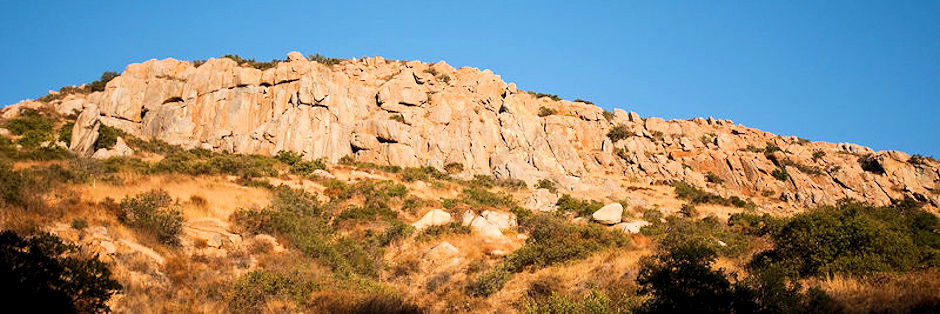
(886, 293)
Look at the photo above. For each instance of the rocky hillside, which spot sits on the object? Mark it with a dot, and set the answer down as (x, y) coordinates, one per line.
(412, 114)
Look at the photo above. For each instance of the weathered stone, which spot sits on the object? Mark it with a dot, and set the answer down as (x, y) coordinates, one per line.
(609, 214)
(85, 131)
(435, 217)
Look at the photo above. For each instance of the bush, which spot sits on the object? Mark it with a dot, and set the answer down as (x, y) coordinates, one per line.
(65, 133)
(300, 218)
(552, 240)
(200, 161)
(698, 196)
(544, 111)
(619, 132)
(547, 184)
(583, 208)
(540, 95)
(453, 168)
(709, 232)
(780, 174)
(434, 232)
(682, 280)
(251, 62)
(584, 101)
(608, 115)
(422, 173)
(297, 165)
(855, 238)
(397, 117)
(818, 154)
(324, 59)
(871, 164)
(921, 160)
(481, 197)
(252, 291)
(107, 137)
(34, 127)
(713, 178)
(153, 212)
(45, 275)
(96, 86)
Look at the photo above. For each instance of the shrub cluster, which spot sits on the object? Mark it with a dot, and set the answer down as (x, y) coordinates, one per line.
(96, 86)
(155, 213)
(585, 208)
(540, 95)
(695, 195)
(683, 280)
(253, 290)
(619, 132)
(709, 232)
(260, 65)
(547, 184)
(44, 274)
(324, 59)
(297, 165)
(854, 238)
(545, 111)
(552, 240)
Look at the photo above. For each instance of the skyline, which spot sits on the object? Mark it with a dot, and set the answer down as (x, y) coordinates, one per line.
(858, 72)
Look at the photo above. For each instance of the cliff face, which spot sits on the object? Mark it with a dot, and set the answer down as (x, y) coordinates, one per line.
(414, 114)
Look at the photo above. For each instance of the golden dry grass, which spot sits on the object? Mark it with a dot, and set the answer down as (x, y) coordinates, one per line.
(885, 293)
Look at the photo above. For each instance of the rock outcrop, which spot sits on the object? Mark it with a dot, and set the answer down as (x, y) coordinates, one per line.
(414, 114)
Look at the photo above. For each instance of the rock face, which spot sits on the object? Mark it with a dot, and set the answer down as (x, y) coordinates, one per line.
(399, 113)
(609, 214)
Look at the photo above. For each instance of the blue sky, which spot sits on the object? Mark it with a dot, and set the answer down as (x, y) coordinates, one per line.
(840, 71)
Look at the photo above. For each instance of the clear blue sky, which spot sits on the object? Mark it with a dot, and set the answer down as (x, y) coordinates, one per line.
(854, 71)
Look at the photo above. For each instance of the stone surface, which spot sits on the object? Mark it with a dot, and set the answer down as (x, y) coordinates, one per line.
(609, 214)
(441, 251)
(541, 200)
(435, 217)
(391, 112)
(120, 149)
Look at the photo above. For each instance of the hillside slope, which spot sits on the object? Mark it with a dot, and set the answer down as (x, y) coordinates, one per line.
(413, 114)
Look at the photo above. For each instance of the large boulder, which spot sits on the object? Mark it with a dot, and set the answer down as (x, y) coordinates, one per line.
(435, 217)
(85, 131)
(609, 214)
(631, 227)
(120, 149)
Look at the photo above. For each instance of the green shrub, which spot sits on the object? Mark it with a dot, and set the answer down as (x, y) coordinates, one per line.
(153, 212)
(453, 168)
(595, 301)
(544, 111)
(818, 154)
(252, 291)
(65, 133)
(688, 210)
(619, 132)
(434, 232)
(547, 184)
(46, 275)
(921, 160)
(79, 224)
(475, 196)
(200, 161)
(397, 117)
(855, 238)
(540, 95)
(422, 173)
(324, 59)
(107, 137)
(754, 224)
(11, 186)
(300, 218)
(251, 62)
(780, 174)
(552, 240)
(871, 164)
(683, 280)
(584, 208)
(695, 195)
(584, 101)
(709, 231)
(34, 127)
(713, 178)
(96, 86)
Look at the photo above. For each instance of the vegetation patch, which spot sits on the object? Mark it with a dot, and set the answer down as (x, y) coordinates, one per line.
(154, 213)
(695, 195)
(552, 240)
(51, 276)
(619, 132)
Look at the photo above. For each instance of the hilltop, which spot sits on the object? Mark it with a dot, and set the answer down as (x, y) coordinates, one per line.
(338, 185)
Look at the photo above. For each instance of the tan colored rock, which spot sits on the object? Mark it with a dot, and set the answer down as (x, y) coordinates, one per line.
(609, 214)
(85, 131)
(631, 227)
(435, 217)
(541, 200)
